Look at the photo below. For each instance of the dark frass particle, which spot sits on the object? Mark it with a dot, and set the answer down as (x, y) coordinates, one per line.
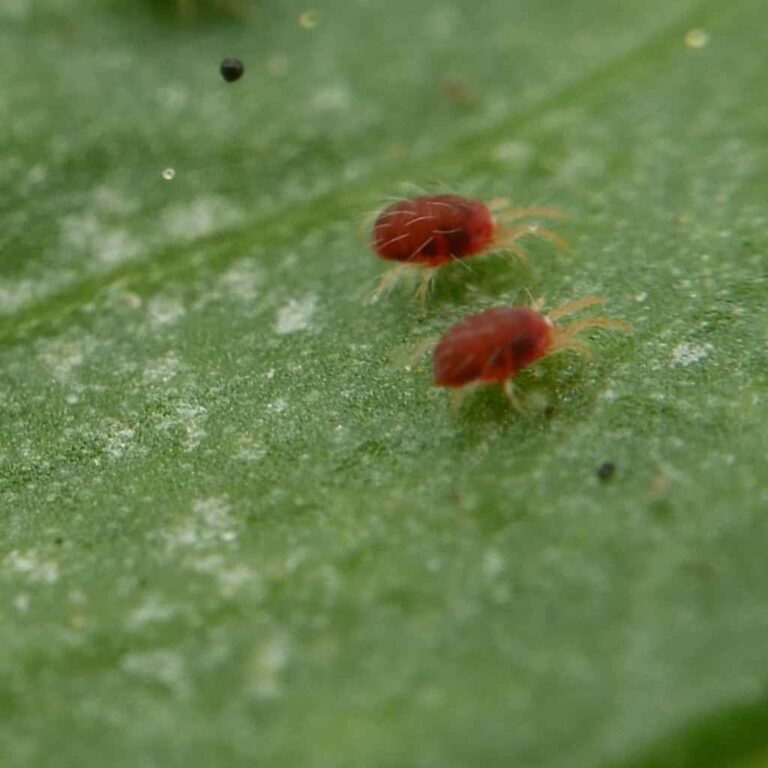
(606, 470)
(232, 69)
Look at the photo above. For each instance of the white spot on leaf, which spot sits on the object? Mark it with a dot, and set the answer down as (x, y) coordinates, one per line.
(164, 310)
(251, 450)
(162, 370)
(153, 610)
(689, 354)
(331, 98)
(210, 524)
(118, 439)
(267, 663)
(64, 355)
(296, 315)
(200, 217)
(160, 666)
(31, 565)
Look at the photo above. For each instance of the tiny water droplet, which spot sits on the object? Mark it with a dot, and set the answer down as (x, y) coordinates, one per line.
(169, 174)
(308, 19)
(696, 38)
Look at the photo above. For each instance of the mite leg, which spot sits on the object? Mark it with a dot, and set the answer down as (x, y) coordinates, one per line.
(428, 274)
(502, 206)
(389, 279)
(509, 391)
(541, 213)
(518, 251)
(565, 335)
(536, 304)
(574, 306)
(567, 342)
(366, 221)
(597, 322)
(508, 235)
(458, 396)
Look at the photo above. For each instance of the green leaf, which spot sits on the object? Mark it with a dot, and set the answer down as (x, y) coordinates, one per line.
(235, 529)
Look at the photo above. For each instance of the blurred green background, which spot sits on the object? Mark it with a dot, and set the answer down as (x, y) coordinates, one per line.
(236, 530)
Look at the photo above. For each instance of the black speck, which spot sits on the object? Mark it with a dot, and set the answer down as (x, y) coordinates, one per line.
(58, 541)
(232, 69)
(606, 470)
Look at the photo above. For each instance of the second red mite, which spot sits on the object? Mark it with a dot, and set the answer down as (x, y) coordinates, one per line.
(492, 346)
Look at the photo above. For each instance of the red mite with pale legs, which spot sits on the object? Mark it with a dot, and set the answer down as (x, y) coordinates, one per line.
(429, 231)
(491, 347)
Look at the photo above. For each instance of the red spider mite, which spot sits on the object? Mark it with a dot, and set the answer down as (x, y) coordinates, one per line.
(430, 231)
(493, 346)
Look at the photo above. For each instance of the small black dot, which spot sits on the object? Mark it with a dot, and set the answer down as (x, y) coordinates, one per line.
(606, 470)
(232, 69)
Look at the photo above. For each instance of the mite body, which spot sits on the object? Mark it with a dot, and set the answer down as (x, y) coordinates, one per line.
(493, 346)
(430, 231)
